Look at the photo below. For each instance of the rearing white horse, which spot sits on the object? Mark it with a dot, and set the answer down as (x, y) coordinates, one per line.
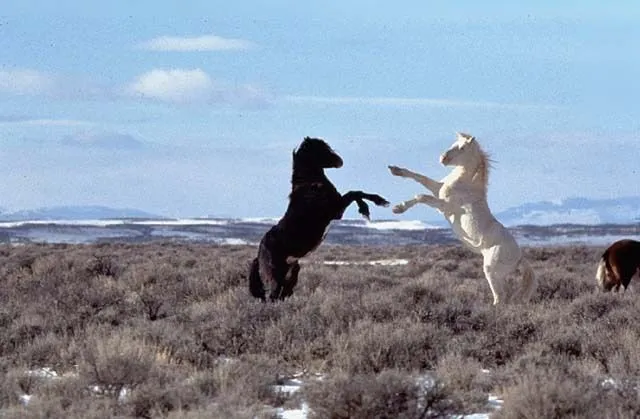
(462, 197)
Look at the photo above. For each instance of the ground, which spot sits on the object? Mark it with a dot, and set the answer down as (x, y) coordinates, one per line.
(169, 330)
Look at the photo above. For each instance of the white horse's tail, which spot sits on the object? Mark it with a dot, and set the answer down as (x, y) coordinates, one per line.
(529, 282)
(601, 273)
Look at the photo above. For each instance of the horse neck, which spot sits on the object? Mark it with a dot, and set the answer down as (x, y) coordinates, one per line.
(475, 174)
(307, 174)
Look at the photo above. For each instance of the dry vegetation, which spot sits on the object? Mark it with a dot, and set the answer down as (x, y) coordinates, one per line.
(169, 330)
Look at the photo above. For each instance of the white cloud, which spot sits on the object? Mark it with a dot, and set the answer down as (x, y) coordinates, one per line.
(43, 122)
(409, 102)
(27, 82)
(177, 85)
(199, 43)
(185, 86)
(102, 140)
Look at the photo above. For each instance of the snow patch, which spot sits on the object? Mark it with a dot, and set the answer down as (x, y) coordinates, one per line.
(413, 225)
(377, 262)
(302, 413)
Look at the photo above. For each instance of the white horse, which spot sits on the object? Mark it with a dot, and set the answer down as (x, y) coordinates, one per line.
(462, 197)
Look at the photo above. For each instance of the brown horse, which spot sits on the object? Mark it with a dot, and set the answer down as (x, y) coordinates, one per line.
(619, 263)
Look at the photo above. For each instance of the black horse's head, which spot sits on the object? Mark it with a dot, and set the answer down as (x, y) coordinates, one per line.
(316, 152)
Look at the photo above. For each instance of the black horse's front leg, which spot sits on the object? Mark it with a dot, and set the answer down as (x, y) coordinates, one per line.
(359, 197)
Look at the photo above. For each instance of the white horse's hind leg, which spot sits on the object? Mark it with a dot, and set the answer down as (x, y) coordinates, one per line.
(498, 263)
(496, 285)
(527, 284)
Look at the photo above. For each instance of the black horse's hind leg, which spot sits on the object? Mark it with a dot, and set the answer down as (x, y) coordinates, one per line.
(278, 282)
(255, 283)
(358, 197)
(269, 275)
(291, 281)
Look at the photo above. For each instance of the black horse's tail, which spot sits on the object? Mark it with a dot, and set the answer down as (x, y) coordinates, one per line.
(255, 282)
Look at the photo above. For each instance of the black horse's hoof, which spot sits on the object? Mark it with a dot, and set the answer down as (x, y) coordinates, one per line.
(380, 201)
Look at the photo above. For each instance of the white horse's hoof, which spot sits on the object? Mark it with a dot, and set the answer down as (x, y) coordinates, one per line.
(396, 171)
(398, 209)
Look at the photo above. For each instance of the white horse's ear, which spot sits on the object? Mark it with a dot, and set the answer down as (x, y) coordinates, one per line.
(465, 136)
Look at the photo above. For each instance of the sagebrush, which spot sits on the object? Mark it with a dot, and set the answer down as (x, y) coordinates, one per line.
(170, 330)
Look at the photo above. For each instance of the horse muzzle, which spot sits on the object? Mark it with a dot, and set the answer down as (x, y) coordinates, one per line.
(444, 159)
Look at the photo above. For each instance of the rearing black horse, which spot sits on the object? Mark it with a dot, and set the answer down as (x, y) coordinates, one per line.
(313, 203)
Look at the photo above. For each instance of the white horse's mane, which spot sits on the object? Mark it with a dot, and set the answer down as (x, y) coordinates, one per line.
(484, 166)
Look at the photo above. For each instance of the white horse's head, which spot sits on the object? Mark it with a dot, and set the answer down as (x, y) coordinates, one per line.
(464, 151)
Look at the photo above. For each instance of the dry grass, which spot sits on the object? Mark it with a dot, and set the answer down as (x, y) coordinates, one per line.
(169, 330)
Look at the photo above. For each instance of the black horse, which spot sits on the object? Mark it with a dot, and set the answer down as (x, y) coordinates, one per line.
(313, 203)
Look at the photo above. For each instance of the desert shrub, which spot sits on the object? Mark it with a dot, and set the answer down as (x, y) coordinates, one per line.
(552, 394)
(507, 331)
(232, 324)
(458, 315)
(151, 400)
(558, 284)
(114, 361)
(50, 349)
(63, 408)
(389, 394)
(465, 380)
(228, 272)
(15, 383)
(62, 397)
(173, 340)
(368, 347)
(173, 325)
(594, 306)
(103, 265)
(623, 358)
(157, 287)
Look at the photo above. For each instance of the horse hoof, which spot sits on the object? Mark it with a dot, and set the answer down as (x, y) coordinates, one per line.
(398, 209)
(395, 170)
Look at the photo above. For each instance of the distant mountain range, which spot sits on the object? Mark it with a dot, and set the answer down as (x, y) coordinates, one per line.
(574, 211)
(77, 212)
(569, 211)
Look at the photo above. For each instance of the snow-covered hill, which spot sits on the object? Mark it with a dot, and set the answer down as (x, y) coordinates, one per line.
(74, 212)
(569, 211)
(574, 211)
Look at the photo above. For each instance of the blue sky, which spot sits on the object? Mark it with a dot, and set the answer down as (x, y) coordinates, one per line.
(194, 110)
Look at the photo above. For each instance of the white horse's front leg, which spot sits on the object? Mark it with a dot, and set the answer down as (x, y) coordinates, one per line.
(404, 205)
(432, 201)
(433, 185)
